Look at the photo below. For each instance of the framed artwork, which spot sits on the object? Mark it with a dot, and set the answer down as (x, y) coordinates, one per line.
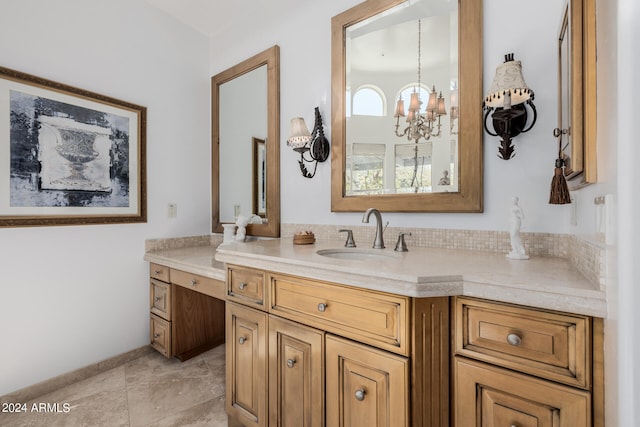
(68, 156)
(259, 178)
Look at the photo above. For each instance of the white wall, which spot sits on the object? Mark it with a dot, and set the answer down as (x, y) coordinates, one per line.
(72, 296)
(304, 37)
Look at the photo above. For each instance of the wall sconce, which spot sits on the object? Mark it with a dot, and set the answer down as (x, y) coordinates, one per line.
(314, 144)
(508, 96)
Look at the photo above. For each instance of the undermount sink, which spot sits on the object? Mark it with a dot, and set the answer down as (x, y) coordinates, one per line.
(356, 254)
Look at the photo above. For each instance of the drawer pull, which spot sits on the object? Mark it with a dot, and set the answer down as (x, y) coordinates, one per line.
(194, 282)
(322, 307)
(242, 285)
(242, 340)
(291, 362)
(359, 395)
(514, 340)
(157, 272)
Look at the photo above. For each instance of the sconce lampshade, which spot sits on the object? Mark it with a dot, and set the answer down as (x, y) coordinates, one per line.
(299, 135)
(508, 87)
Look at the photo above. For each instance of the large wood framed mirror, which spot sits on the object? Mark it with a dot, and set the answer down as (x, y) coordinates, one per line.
(577, 92)
(245, 154)
(376, 59)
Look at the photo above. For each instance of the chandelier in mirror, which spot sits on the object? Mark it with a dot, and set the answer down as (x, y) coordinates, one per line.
(420, 125)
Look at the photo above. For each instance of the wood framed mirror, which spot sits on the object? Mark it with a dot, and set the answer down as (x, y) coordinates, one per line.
(460, 189)
(577, 92)
(245, 175)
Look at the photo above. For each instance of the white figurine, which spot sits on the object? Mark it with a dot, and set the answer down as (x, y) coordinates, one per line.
(516, 218)
(242, 223)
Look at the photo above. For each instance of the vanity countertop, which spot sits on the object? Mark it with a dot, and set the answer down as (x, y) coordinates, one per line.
(193, 259)
(544, 282)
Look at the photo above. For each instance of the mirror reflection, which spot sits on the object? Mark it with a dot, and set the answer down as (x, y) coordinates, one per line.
(401, 75)
(243, 119)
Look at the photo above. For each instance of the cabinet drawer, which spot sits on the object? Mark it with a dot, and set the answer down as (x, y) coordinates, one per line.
(246, 286)
(161, 335)
(490, 396)
(159, 272)
(204, 285)
(160, 299)
(547, 344)
(371, 317)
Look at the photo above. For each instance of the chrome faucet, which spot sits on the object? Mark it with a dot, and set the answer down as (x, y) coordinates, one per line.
(378, 242)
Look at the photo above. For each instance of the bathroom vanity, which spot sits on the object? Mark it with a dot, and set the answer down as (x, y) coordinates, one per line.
(319, 335)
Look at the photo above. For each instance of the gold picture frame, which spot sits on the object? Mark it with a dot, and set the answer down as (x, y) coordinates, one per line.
(71, 156)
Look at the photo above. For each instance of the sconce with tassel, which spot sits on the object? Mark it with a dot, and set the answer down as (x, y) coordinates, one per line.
(559, 189)
(507, 99)
(313, 147)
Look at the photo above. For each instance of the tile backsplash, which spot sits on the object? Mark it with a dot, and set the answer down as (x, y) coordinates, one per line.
(587, 256)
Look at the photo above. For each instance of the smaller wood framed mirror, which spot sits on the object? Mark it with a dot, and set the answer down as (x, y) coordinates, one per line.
(577, 92)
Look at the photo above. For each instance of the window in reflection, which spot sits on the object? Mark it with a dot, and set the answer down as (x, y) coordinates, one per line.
(365, 168)
(369, 101)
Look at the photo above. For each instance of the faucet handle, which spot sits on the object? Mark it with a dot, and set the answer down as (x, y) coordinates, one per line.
(350, 243)
(401, 246)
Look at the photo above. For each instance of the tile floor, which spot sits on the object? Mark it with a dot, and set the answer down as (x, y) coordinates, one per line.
(149, 391)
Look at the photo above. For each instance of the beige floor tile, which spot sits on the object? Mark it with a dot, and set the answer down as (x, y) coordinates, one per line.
(149, 391)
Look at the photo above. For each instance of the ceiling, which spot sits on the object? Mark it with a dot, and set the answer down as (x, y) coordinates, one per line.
(210, 17)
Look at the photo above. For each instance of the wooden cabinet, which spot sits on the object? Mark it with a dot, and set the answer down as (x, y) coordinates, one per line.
(365, 387)
(246, 358)
(187, 312)
(296, 374)
(337, 355)
(519, 366)
(488, 396)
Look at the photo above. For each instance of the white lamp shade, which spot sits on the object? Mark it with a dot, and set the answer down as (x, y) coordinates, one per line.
(399, 109)
(510, 82)
(432, 105)
(414, 104)
(442, 110)
(299, 135)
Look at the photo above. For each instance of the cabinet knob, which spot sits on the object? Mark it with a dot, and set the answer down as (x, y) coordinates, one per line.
(156, 335)
(242, 285)
(359, 395)
(156, 299)
(514, 339)
(322, 307)
(194, 282)
(242, 340)
(290, 363)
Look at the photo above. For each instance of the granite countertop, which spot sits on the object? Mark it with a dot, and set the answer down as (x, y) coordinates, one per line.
(543, 282)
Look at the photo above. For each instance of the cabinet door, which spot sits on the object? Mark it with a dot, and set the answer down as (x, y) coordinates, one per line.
(296, 375)
(365, 387)
(246, 382)
(488, 396)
